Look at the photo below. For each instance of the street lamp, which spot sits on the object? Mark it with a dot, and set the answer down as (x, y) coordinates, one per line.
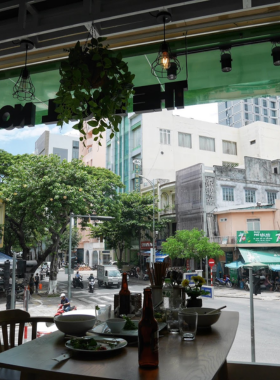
(152, 183)
(72, 216)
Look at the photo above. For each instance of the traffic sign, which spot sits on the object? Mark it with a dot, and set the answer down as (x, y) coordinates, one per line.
(211, 263)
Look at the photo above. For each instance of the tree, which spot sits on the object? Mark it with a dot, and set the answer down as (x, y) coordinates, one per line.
(75, 239)
(133, 217)
(40, 192)
(191, 244)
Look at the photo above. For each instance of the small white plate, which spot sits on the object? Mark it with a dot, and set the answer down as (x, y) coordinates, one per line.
(103, 329)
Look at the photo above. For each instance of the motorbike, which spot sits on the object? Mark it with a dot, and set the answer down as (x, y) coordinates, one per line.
(145, 275)
(78, 282)
(133, 272)
(91, 283)
(222, 282)
(61, 310)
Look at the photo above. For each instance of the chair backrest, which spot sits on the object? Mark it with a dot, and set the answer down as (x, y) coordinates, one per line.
(12, 323)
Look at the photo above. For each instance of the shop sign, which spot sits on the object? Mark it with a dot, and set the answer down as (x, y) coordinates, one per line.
(145, 245)
(258, 237)
(229, 257)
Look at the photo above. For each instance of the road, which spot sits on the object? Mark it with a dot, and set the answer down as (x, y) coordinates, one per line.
(267, 311)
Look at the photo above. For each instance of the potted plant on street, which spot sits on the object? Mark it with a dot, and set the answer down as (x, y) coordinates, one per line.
(194, 291)
(95, 84)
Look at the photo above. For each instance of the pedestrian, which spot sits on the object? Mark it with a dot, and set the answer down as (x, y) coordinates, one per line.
(31, 284)
(36, 282)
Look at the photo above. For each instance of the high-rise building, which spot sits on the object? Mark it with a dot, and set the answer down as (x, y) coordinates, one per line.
(65, 146)
(237, 113)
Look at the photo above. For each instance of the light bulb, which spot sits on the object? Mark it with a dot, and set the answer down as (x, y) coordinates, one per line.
(165, 60)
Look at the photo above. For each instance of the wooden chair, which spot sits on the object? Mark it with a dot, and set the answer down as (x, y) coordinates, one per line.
(12, 324)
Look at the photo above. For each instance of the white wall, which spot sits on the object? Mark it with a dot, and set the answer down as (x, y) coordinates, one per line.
(162, 161)
(62, 142)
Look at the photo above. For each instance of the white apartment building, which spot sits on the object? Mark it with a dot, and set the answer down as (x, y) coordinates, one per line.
(65, 146)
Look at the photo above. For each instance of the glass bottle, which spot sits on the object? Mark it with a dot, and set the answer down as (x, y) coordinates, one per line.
(124, 296)
(167, 293)
(148, 334)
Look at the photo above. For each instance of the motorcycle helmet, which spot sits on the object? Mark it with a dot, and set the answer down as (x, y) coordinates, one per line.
(62, 295)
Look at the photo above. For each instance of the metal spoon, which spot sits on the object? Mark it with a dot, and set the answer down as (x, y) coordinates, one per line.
(214, 311)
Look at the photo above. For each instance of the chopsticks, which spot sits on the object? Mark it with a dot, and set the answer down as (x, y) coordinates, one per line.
(156, 273)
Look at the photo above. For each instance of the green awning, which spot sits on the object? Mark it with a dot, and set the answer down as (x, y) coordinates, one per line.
(268, 256)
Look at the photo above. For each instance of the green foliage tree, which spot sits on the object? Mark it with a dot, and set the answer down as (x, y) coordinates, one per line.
(40, 192)
(75, 239)
(191, 244)
(135, 216)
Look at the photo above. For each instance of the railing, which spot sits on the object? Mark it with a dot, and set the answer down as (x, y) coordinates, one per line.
(223, 239)
(168, 211)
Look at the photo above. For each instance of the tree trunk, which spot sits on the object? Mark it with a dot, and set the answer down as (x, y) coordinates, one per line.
(53, 274)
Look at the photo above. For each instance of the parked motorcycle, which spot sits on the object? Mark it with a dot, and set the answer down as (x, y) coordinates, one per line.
(78, 282)
(145, 275)
(91, 283)
(134, 272)
(222, 282)
(61, 310)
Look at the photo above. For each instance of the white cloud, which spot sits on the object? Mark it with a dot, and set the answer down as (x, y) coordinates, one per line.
(204, 112)
(22, 133)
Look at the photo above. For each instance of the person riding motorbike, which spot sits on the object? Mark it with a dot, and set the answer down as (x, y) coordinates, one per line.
(91, 282)
(65, 302)
(91, 277)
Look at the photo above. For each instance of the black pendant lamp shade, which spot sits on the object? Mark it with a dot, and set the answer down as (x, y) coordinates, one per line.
(165, 60)
(275, 52)
(24, 89)
(225, 60)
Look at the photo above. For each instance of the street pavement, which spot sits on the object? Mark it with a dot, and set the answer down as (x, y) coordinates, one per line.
(44, 304)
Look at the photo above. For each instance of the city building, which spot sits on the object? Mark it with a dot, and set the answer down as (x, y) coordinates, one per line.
(237, 113)
(65, 146)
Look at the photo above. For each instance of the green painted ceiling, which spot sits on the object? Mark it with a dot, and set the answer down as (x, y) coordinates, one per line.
(253, 73)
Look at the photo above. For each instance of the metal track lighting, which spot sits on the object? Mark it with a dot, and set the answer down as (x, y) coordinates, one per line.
(225, 59)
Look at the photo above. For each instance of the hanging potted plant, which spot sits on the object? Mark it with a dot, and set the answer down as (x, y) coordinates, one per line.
(95, 84)
(194, 291)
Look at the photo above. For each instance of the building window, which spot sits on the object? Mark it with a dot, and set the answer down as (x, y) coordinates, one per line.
(252, 142)
(136, 138)
(264, 103)
(165, 136)
(257, 110)
(265, 112)
(246, 107)
(229, 147)
(256, 101)
(273, 113)
(228, 194)
(273, 121)
(246, 116)
(206, 143)
(272, 104)
(265, 119)
(75, 149)
(257, 118)
(271, 196)
(253, 225)
(250, 196)
(185, 140)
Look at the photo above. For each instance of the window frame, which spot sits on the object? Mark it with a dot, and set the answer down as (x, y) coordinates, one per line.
(250, 196)
(165, 136)
(228, 193)
(253, 221)
(268, 192)
(232, 143)
(190, 139)
(208, 138)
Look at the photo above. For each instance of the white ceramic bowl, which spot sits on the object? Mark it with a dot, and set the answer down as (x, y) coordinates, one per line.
(204, 320)
(77, 324)
(116, 324)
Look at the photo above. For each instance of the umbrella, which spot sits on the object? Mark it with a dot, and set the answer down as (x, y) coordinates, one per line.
(255, 265)
(235, 265)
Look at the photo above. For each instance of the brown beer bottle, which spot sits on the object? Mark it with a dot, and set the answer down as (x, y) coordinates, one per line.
(148, 334)
(124, 296)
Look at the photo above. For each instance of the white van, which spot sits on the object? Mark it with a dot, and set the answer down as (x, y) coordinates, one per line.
(109, 275)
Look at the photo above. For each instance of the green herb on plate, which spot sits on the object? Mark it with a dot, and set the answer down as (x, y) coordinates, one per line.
(130, 325)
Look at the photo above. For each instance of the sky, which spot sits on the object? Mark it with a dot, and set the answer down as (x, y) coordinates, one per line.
(22, 140)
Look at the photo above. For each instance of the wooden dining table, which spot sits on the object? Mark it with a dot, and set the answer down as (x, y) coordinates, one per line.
(200, 359)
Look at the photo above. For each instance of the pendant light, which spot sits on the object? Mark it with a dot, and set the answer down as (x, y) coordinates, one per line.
(166, 65)
(24, 89)
(226, 59)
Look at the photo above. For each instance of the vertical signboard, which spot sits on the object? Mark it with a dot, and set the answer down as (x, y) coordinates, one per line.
(137, 171)
(2, 220)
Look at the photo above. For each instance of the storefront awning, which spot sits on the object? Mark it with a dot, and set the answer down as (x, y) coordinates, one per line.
(275, 268)
(269, 256)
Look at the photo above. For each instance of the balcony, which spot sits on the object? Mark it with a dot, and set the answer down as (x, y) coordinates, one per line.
(168, 211)
(223, 240)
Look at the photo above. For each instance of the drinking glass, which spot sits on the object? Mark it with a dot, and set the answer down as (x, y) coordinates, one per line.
(188, 324)
(171, 317)
(103, 314)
